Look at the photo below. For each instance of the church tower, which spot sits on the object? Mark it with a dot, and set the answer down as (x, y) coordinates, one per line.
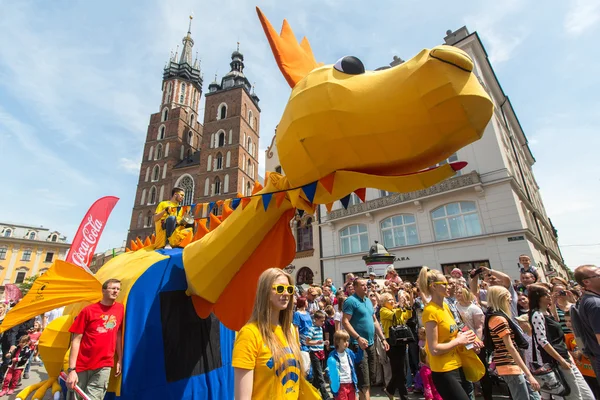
(172, 142)
(229, 151)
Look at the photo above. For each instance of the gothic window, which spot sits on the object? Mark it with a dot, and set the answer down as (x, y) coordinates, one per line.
(143, 197)
(165, 115)
(161, 193)
(26, 255)
(182, 152)
(400, 230)
(152, 198)
(219, 162)
(217, 186)
(148, 219)
(159, 152)
(228, 160)
(226, 184)
(182, 93)
(249, 145)
(189, 153)
(192, 118)
(161, 132)
(54, 238)
(250, 170)
(209, 163)
(194, 100)
(190, 139)
(305, 276)
(155, 173)
(222, 111)
(150, 153)
(456, 220)
(304, 235)
(248, 189)
(140, 220)
(221, 139)
(7, 232)
(251, 119)
(187, 184)
(32, 236)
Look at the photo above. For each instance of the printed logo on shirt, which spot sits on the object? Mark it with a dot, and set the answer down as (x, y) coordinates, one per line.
(288, 370)
(110, 321)
(453, 328)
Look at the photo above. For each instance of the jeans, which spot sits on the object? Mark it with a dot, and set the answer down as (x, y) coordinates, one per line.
(317, 370)
(170, 225)
(519, 387)
(579, 387)
(452, 385)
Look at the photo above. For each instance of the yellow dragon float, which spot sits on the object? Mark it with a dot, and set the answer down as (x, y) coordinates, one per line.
(343, 129)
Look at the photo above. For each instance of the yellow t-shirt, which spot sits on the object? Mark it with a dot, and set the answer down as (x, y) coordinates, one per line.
(250, 352)
(447, 330)
(168, 203)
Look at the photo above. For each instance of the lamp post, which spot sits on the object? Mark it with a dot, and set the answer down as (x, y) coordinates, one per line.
(378, 259)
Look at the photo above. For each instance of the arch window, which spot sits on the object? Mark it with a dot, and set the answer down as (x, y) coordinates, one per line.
(140, 220)
(31, 235)
(161, 193)
(228, 160)
(248, 189)
(182, 93)
(161, 132)
(187, 184)
(400, 230)
(251, 119)
(222, 111)
(151, 153)
(190, 138)
(7, 232)
(249, 145)
(305, 276)
(209, 163)
(192, 117)
(250, 170)
(206, 186)
(142, 201)
(354, 239)
(304, 235)
(456, 220)
(221, 139)
(226, 184)
(159, 152)
(217, 186)
(148, 219)
(165, 115)
(155, 173)
(152, 197)
(54, 238)
(218, 162)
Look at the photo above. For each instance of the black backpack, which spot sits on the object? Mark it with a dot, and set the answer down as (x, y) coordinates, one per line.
(520, 341)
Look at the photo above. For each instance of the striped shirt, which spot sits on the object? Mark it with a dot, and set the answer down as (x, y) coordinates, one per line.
(563, 317)
(505, 364)
(315, 334)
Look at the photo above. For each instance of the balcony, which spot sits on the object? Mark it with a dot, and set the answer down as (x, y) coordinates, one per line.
(457, 182)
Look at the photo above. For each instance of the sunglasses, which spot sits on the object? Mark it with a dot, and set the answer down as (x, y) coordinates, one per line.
(441, 283)
(284, 289)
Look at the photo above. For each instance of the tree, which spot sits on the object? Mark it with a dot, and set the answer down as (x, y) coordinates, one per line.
(27, 283)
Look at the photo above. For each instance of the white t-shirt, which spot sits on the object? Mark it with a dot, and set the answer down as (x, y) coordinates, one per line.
(52, 315)
(345, 372)
(337, 317)
(468, 314)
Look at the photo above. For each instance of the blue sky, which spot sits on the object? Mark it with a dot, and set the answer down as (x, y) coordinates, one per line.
(79, 80)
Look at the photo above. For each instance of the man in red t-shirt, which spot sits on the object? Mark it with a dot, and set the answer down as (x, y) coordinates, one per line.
(96, 335)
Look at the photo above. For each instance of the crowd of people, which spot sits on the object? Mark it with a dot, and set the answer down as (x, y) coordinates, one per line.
(423, 336)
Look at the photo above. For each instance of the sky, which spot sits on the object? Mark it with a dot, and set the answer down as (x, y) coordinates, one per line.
(79, 80)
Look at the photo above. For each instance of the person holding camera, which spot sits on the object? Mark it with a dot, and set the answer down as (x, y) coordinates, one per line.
(494, 278)
(167, 216)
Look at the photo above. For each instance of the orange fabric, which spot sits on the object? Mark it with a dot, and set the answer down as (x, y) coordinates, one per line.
(583, 363)
(214, 222)
(202, 307)
(327, 182)
(361, 193)
(234, 306)
(227, 210)
(257, 187)
(279, 198)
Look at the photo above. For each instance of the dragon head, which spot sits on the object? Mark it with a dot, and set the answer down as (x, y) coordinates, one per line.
(391, 122)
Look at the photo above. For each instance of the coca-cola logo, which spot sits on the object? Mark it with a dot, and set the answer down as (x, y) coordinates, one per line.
(90, 233)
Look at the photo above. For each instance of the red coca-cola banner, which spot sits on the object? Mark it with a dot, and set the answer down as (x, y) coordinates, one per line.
(88, 235)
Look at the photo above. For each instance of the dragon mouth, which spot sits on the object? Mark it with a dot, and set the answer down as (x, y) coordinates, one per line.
(394, 171)
(453, 56)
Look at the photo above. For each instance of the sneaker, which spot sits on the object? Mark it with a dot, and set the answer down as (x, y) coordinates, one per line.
(3, 392)
(10, 391)
(26, 376)
(388, 394)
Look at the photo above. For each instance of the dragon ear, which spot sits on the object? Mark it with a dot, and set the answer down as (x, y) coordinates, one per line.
(295, 60)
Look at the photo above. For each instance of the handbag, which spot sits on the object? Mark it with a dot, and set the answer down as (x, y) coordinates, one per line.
(548, 375)
(472, 366)
(399, 334)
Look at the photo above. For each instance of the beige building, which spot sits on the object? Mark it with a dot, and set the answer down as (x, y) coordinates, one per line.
(27, 250)
(489, 213)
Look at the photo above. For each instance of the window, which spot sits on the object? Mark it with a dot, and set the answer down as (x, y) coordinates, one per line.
(149, 218)
(140, 220)
(223, 111)
(189, 153)
(219, 161)
(400, 230)
(190, 138)
(187, 184)
(155, 173)
(54, 238)
(248, 189)
(250, 170)
(165, 115)
(278, 169)
(3, 251)
(251, 119)
(305, 276)
(26, 255)
(152, 199)
(304, 236)
(221, 139)
(192, 118)
(32, 236)
(7, 232)
(182, 93)
(354, 239)
(161, 132)
(49, 257)
(20, 276)
(249, 146)
(217, 186)
(159, 152)
(456, 220)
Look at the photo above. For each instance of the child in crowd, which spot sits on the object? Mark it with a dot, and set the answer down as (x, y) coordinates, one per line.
(341, 364)
(19, 356)
(329, 328)
(316, 346)
(429, 390)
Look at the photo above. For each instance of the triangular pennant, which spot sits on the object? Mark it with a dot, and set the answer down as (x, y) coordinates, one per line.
(345, 201)
(258, 202)
(194, 209)
(266, 198)
(294, 196)
(279, 198)
(211, 205)
(327, 182)
(246, 201)
(300, 213)
(361, 193)
(329, 206)
(235, 203)
(310, 190)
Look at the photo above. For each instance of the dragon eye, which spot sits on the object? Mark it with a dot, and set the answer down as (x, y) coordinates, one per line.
(350, 65)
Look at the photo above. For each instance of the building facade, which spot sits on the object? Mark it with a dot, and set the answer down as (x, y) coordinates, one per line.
(99, 259)
(487, 214)
(27, 250)
(209, 161)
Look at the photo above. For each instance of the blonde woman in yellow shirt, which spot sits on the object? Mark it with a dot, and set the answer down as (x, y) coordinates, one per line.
(266, 354)
(402, 311)
(443, 338)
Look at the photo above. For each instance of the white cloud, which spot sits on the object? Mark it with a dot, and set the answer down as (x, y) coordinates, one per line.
(582, 15)
(129, 166)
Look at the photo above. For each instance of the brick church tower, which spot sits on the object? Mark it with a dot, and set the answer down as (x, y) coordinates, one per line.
(175, 154)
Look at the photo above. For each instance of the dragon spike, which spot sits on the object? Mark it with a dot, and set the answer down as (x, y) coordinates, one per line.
(139, 243)
(214, 222)
(257, 187)
(153, 239)
(127, 250)
(227, 210)
(295, 60)
(147, 242)
(133, 245)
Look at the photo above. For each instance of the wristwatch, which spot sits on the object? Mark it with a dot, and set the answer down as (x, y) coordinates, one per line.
(70, 369)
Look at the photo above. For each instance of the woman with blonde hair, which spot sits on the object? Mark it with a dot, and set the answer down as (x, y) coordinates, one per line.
(392, 314)
(266, 354)
(443, 338)
(504, 337)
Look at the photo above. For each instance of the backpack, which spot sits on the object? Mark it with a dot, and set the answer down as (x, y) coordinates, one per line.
(520, 341)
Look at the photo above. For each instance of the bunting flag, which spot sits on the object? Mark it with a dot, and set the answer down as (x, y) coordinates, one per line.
(327, 182)
(258, 202)
(266, 198)
(267, 174)
(235, 203)
(279, 198)
(361, 193)
(294, 196)
(310, 190)
(329, 206)
(194, 210)
(246, 201)
(211, 205)
(345, 201)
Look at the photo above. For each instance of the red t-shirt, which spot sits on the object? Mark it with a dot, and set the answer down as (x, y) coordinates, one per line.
(99, 325)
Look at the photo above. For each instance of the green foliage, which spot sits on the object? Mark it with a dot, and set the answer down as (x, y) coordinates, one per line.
(27, 283)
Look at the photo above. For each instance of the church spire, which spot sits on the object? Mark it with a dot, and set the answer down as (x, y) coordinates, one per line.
(188, 43)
